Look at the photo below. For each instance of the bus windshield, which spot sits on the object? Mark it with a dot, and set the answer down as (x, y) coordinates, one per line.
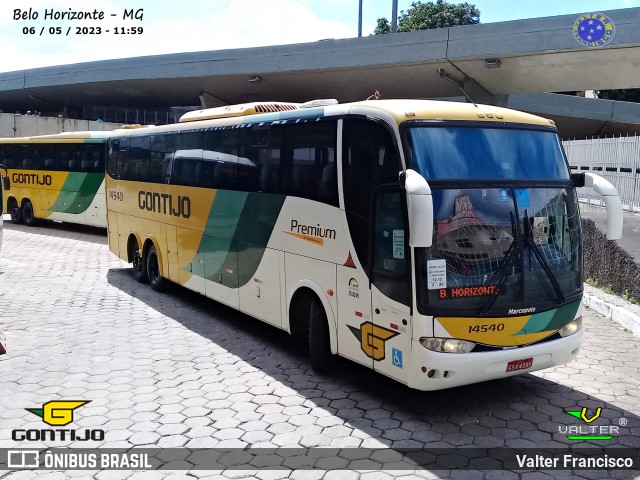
(464, 152)
(497, 249)
(500, 250)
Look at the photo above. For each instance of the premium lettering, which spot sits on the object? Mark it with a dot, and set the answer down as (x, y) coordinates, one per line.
(314, 231)
(31, 179)
(165, 203)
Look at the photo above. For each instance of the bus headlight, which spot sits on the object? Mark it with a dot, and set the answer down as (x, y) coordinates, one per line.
(447, 345)
(571, 328)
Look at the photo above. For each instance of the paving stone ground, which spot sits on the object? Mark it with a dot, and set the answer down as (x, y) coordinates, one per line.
(179, 370)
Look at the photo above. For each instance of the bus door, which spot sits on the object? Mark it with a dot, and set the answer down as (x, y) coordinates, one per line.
(373, 204)
(391, 289)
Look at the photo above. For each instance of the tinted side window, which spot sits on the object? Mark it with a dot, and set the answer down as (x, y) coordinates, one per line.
(187, 160)
(7, 156)
(24, 157)
(139, 167)
(263, 147)
(313, 161)
(116, 161)
(229, 170)
(369, 159)
(160, 157)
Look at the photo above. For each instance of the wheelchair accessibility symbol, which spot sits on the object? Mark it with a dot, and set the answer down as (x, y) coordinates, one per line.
(396, 357)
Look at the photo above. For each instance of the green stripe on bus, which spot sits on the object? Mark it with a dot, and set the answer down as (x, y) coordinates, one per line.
(235, 237)
(77, 192)
(216, 243)
(551, 320)
(254, 231)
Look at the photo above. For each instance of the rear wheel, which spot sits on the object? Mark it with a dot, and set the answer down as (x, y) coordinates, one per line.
(15, 211)
(139, 265)
(27, 214)
(156, 280)
(319, 344)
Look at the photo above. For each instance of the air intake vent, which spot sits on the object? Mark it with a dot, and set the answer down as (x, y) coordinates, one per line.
(239, 110)
(275, 107)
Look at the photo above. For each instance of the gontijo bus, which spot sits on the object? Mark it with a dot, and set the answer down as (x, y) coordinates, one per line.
(4, 185)
(437, 243)
(56, 177)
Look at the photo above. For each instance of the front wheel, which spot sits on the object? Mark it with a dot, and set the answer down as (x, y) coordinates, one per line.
(28, 216)
(156, 280)
(139, 265)
(319, 344)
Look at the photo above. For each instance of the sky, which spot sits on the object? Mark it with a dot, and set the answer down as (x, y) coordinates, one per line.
(177, 26)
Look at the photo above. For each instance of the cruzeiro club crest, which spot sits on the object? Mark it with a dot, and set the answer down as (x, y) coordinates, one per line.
(593, 30)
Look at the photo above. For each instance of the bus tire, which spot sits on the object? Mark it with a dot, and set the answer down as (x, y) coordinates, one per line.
(320, 354)
(15, 211)
(139, 264)
(28, 216)
(156, 280)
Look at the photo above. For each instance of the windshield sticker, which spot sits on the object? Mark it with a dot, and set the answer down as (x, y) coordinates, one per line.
(398, 244)
(504, 195)
(522, 197)
(436, 274)
(466, 292)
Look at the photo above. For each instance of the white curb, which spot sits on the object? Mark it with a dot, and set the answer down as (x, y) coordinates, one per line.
(619, 310)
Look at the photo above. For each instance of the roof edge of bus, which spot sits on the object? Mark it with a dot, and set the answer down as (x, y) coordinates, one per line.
(407, 109)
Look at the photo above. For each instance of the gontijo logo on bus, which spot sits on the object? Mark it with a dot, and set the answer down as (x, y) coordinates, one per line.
(372, 339)
(311, 233)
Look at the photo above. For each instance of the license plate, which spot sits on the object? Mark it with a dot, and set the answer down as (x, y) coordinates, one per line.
(520, 364)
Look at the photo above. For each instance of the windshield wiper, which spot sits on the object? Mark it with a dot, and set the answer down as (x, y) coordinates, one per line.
(528, 240)
(509, 258)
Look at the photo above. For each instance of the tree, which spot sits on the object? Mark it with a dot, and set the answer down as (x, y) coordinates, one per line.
(382, 27)
(424, 16)
(626, 95)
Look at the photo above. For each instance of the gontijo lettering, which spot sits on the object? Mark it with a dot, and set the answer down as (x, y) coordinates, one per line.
(164, 203)
(31, 179)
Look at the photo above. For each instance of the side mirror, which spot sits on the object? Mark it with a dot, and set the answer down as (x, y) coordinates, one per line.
(612, 203)
(5, 178)
(577, 179)
(420, 204)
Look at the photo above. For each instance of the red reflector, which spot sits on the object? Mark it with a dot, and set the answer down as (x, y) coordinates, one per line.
(394, 326)
(358, 314)
(349, 263)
